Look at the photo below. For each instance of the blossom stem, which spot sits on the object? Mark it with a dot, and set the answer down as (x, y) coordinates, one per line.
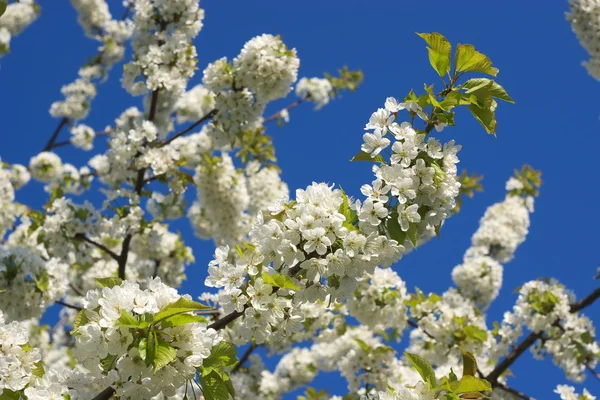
(244, 358)
(192, 126)
(100, 246)
(71, 306)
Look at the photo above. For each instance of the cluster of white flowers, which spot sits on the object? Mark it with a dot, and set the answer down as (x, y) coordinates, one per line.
(96, 20)
(568, 393)
(316, 90)
(502, 229)
(29, 284)
(164, 57)
(17, 358)
(585, 21)
(195, 104)
(82, 136)
(109, 344)
(305, 248)
(419, 185)
(379, 301)
(15, 19)
(264, 71)
(47, 167)
(12, 177)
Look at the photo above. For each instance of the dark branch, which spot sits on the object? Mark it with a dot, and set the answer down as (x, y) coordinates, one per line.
(512, 357)
(515, 392)
(586, 301)
(102, 247)
(191, 127)
(244, 358)
(105, 394)
(593, 371)
(71, 306)
(290, 107)
(54, 136)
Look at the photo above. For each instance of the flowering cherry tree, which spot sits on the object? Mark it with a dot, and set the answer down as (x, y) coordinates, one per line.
(313, 266)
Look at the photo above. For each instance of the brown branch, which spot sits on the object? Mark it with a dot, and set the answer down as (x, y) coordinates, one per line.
(106, 394)
(586, 301)
(512, 391)
(191, 127)
(244, 358)
(100, 246)
(290, 107)
(54, 136)
(222, 323)
(593, 371)
(71, 306)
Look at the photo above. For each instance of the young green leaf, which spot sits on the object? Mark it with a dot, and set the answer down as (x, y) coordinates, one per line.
(109, 282)
(423, 368)
(280, 281)
(213, 386)
(496, 90)
(127, 320)
(469, 364)
(470, 60)
(182, 319)
(470, 383)
(362, 156)
(221, 356)
(165, 353)
(180, 306)
(440, 50)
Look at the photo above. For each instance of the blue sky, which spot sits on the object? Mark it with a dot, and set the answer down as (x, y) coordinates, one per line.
(529, 41)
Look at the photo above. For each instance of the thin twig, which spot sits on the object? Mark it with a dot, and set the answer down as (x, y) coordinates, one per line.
(191, 127)
(586, 301)
(593, 371)
(69, 142)
(244, 358)
(54, 136)
(71, 306)
(290, 107)
(100, 246)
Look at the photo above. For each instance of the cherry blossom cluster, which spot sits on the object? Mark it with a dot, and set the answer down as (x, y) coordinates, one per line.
(141, 342)
(316, 90)
(48, 167)
(228, 198)
(264, 71)
(568, 393)
(585, 21)
(417, 186)
(29, 283)
(502, 229)
(12, 177)
(98, 24)
(15, 19)
(164, 57)
(17, 358)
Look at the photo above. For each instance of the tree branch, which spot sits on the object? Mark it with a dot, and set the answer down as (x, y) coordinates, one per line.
(71, 306)
(586, 301)
(290, 107)
(515, 392)
(244, 358)
(69, 142)
(102, 247)
(593, 371)
(54, 136)
(191, 127)
(106, 394)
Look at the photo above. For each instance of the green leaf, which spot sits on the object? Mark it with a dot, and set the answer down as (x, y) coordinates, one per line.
(496, 90)
(180, 306)
(470, 60)
(440, 50)
(38, 370)
(452, 376)
(42, 282)
(109, 282)
(108, 362)
(347, 212)
(280, 281)
(165, 353)
(213, 386)
(221, 356)
(486, 117)
(469, 364)
(470, 383)
(423, 368)
(143, 349)
(127, 320)
(3, 5)
(362, 156)
(80, 319)
(475, 333)
(151, 348)
(412, 233)
(363, 346)
(182, 319)
(9, 395)
(394, 229)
